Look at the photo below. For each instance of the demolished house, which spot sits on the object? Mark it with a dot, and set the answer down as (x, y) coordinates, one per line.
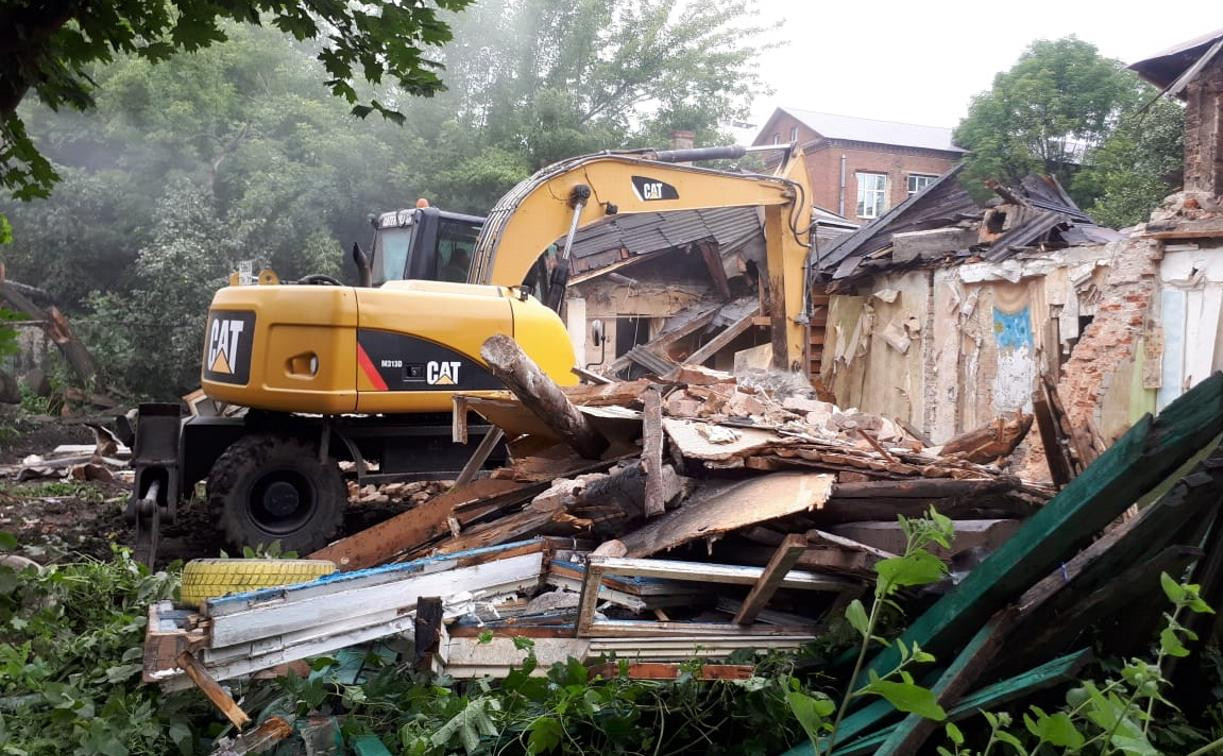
(944, 313)
(652, 290)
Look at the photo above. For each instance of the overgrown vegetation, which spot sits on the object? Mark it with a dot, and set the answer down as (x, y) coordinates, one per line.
(70, 655)
(238, 152)
(1065, 110)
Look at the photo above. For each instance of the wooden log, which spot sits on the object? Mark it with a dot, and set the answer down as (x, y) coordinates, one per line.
(540, 394)
(1151, 450)
(213, 690)
(784, 559)
(923, 488)
(55, 323)
(651, 453)
(717, 273)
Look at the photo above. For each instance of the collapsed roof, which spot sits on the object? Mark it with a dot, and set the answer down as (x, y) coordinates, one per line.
(1171, 69)
(942, 223)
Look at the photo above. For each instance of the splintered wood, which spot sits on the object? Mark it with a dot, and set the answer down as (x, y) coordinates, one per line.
(694, 516)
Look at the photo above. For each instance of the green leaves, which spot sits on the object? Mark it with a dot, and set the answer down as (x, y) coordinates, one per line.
(917, 568)
(1055, 729)
(908, 697)
(855, 613)
(810, 711)
(545, 735)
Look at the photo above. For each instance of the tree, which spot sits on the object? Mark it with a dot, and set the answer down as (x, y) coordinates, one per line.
(51, 46)
(1047, 114)
(1139, 164)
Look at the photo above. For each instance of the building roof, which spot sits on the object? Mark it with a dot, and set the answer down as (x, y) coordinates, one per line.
(1164, 68)
(619, 237)
(1049, 218)
(850, 128)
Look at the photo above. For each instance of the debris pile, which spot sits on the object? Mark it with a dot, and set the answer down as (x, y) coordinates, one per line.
(660, 520)
(706, 515)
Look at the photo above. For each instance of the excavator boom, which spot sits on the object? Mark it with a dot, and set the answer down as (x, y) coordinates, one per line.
(540, 210)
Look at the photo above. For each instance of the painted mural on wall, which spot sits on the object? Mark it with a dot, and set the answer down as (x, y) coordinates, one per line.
(1016, 359)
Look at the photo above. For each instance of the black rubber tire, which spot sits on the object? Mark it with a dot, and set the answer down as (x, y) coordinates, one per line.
(239, 481)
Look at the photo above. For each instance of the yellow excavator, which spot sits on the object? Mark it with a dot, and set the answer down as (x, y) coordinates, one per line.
(365, 374)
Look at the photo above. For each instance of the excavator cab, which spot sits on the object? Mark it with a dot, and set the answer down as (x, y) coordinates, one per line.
(422, 244)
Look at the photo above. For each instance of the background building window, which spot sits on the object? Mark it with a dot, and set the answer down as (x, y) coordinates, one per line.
(793, 133)
(872, 194)
(919, 181)
(777, 139)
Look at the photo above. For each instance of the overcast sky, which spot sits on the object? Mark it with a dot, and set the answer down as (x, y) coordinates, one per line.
(920, 61)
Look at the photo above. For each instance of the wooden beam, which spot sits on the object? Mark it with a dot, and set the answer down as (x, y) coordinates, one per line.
(1055, 453)
(428, 632)
(651, 453)
(540, 394)
(1151, 450)
(784, 559)
(717, 273)
(727, 335)
(419, 525)
(213, 690)
(969, 665)
(663, 340)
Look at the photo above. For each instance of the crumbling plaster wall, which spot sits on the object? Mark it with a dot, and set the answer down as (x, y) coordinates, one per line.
(981, 334)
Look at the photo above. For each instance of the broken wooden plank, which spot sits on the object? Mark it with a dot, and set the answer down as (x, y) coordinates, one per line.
(427, 632)
(506, 360)
(1055, 452)
(986, 444)
(728, 334)
(418, 526)
(1144, 456)
(784, 559)
(651, 453)
(959, 676)
(719, 507)
(717, 273)
(990, 698)
(221, 699)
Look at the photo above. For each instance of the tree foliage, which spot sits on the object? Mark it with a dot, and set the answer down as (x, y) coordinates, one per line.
(54, 48)
(1064, 110)
(235, 153)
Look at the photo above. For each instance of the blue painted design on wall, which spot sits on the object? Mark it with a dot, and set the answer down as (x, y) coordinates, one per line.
(1013, 330)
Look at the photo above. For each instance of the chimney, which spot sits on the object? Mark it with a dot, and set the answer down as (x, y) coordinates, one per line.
(683, 140)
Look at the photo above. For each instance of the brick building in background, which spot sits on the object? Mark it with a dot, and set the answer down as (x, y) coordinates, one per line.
(860, 167)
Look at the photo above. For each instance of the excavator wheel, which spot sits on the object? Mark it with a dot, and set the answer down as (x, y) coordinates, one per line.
(267, 488)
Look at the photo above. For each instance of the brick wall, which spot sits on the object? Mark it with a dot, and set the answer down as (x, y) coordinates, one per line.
(1111, 339)
(1204, 131)
(824, 171)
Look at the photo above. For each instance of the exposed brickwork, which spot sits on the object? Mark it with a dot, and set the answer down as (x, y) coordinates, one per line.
(824, 171)
(824, 164)
(1204, 131)
(1110, 339)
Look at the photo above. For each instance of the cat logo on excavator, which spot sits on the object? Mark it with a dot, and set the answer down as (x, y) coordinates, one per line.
(442, 373)
(227, 356)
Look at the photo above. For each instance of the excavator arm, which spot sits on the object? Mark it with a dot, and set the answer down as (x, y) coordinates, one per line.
(576, 193)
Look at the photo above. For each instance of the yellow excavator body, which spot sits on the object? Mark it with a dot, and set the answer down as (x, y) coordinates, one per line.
(404, 347)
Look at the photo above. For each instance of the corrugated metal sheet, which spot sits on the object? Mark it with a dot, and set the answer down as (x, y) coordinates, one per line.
(622, 236)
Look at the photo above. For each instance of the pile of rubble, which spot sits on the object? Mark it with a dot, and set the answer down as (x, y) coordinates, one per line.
(695, 515)
(700, 515)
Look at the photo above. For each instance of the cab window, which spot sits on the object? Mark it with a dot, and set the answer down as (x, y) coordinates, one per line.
(391, 249)
(456, 242)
